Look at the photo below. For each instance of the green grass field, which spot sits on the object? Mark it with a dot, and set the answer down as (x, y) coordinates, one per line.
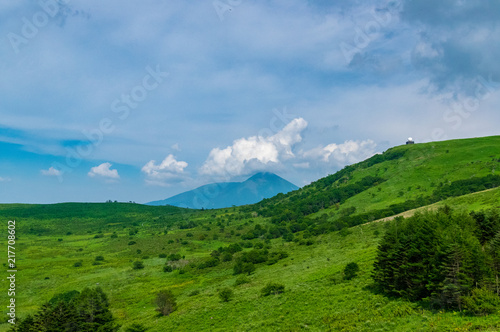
(52, 238)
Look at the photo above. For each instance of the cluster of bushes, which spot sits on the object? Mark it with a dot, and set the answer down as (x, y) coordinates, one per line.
(174, 257)
(87, 311)
(138, 265)
(98, 260)
(246, 262)
(136, 328)
(241, 280)
(226, 294)
(231, 249)
(187, 224)
(272, 288)
(255, 233)
(351, 271)
(170, 265)
(166, 302)
(448, 259)
(224, 254)
(210, 262)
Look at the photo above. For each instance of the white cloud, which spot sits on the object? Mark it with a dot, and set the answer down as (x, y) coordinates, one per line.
(348, 152)
(256, 152)
(4, 179)
(169, 170)
(104, 170)
(51, 172)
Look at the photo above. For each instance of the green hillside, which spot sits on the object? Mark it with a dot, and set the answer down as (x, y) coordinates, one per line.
(404, 173)
(303, 240)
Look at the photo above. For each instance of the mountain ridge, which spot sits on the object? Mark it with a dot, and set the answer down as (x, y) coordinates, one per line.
(259, 186)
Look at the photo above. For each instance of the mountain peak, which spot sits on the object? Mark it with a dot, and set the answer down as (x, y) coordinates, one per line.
(263, 175)
(221, 195)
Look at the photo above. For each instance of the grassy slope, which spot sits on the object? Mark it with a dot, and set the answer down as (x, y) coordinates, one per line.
(316, 298)
(482, 200)
(422, 169)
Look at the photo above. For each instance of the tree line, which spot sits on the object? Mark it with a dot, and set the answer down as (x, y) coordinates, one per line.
(446, 259)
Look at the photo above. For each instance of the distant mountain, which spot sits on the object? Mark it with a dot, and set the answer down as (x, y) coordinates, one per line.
(227, 194)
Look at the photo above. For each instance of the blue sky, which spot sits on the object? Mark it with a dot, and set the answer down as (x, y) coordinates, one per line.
(139, 101)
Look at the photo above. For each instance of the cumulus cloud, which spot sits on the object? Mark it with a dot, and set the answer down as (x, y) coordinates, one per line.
(104, 170)
(255, 153)
(51, 172)
(348, 152)
(168, 171)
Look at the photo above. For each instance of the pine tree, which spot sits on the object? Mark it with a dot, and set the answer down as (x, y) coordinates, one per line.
(93, 312)
(386, 265)
(494, 252)
(25, 325)
(43, 320)
(453, 284)
(487, 224)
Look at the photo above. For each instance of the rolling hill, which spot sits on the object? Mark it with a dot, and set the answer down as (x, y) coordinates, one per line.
(227, 194)
(402, 178)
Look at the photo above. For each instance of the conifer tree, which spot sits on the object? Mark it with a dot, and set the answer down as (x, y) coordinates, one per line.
(494, 251)
(72, 312)
(92, 308)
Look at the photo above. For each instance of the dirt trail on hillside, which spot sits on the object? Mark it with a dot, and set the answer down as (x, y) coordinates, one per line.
(431, 207)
